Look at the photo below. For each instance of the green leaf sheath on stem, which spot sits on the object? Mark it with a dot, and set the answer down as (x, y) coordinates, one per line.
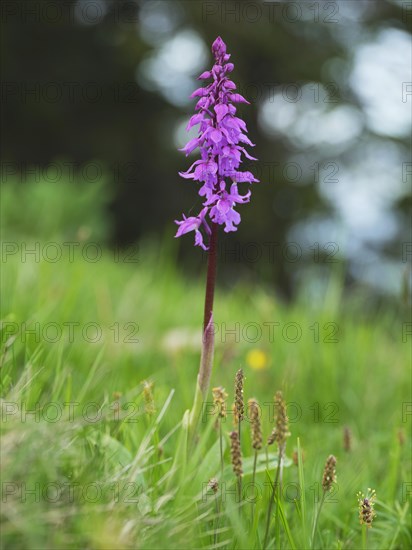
(208, 340)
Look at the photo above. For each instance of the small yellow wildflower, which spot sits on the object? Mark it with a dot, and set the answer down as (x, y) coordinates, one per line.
(257, 359)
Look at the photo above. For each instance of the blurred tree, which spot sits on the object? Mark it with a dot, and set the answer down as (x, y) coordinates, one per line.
(73, 94)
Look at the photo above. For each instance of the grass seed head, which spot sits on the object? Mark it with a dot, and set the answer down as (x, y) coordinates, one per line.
(239, 409)
(295, 457)
(281, 431)
(254, 418)
(347, 439)
(329, 474)
(213, 485)
(235, 416)
(149, 406)
(366, 507)
(219, 400)
(236, 453)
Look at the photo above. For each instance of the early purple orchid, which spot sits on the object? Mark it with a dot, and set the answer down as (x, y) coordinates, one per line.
(220, 141)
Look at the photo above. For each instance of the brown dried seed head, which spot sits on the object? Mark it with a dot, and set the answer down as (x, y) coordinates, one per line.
(281, 431)
(401, 437)
(213, 485)
(347, 439)
(235, 416)
(149, 407)
(219, 400)
(295, 457)
(116, 404)
(236, 453)
(329, 474)
(366, 507)
(239, 404)
(254, 418)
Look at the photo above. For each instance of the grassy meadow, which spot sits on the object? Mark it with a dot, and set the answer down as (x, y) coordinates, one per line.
(99, 357)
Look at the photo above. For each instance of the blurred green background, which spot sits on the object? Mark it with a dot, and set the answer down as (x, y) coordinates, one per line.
(95, 95)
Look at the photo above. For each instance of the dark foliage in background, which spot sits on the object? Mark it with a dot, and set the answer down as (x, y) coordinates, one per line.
(129, 130)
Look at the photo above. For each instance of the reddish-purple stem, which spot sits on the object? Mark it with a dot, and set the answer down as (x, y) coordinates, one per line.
(211, 276)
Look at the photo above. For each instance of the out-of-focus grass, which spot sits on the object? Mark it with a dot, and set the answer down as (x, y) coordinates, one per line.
(90, 468)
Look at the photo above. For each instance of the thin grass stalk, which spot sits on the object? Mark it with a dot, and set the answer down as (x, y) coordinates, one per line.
(219, 401)
(316, 519)
(253, 482)
(364, 537)
(256, 432)
(222, 467)
(272, 498)
(302, 488)
(280, 433)
(222, 464)
(216, 521)
(239, 479)
(213, 485)
(328, 479)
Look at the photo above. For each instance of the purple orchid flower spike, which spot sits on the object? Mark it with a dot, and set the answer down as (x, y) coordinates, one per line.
(221, 139)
